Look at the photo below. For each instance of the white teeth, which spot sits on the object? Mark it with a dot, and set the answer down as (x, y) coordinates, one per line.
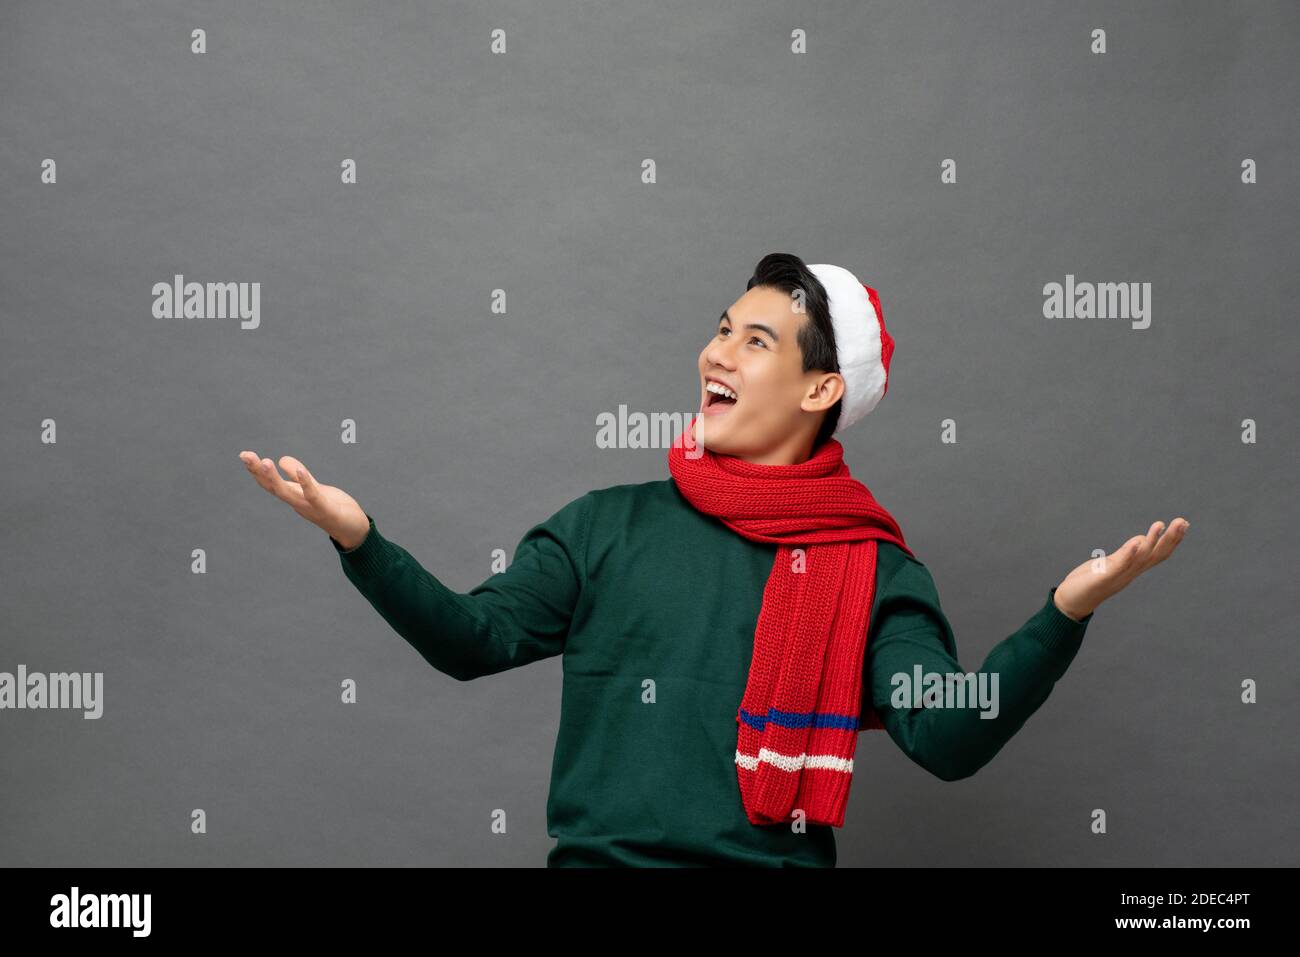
(720, 389)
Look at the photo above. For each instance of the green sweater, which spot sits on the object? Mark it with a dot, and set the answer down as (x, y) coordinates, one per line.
(653, 607)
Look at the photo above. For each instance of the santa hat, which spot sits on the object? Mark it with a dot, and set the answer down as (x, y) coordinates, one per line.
(862, 345)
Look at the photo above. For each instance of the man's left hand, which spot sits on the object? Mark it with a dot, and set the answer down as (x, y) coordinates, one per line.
(1098, 578)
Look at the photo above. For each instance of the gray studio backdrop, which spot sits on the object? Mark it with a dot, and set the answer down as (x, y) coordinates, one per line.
(524, 171)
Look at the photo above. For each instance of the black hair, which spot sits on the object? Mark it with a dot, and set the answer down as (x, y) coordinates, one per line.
(789, 273)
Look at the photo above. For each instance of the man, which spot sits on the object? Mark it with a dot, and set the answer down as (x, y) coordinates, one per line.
(728, 631)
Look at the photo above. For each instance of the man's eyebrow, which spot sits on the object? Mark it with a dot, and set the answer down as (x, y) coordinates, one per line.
(726, 314)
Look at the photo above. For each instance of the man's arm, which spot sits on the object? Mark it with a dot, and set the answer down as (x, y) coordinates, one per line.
(513, 618)
(910, 629)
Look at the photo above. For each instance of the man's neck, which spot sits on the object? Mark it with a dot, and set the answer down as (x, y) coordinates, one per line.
(793, 452)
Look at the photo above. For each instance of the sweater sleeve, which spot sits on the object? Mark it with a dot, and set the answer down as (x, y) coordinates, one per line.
(513, 618)
(912, 630)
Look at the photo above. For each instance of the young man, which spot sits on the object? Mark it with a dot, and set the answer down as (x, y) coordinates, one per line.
(727, 632)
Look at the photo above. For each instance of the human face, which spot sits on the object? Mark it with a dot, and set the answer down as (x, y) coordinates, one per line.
(778, 407)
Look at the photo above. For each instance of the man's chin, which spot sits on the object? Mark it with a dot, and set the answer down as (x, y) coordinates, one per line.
(715, 436)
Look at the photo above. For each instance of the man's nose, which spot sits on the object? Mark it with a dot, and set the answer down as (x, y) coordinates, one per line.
(720, 353)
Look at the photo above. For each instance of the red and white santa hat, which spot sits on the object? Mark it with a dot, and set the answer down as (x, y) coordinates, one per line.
(862, 344)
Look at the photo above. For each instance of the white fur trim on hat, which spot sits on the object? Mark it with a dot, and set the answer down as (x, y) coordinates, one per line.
(858, 342)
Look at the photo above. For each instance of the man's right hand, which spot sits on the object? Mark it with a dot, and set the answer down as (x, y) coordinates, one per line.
(330, 509)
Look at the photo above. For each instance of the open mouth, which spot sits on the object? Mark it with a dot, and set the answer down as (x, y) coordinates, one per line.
(718, 397)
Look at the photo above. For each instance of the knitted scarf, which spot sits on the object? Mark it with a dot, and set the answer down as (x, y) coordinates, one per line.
(799, 717)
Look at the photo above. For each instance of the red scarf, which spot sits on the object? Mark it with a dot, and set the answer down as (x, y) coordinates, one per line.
(798, 720)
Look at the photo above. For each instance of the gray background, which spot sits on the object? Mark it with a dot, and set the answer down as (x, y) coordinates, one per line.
(522, 172)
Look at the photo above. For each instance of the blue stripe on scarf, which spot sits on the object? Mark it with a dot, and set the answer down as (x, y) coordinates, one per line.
(800, 719)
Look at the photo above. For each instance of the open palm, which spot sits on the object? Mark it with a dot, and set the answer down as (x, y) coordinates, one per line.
(1099, 578)
(326, 506)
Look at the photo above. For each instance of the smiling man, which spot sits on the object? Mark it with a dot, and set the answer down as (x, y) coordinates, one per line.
(727, 632)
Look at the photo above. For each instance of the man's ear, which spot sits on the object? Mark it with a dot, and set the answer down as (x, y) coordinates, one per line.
(824, 390)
